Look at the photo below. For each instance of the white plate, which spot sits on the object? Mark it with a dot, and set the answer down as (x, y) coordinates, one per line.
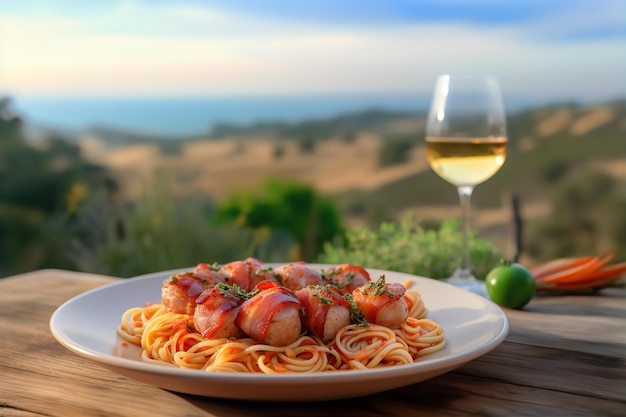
(87, 326)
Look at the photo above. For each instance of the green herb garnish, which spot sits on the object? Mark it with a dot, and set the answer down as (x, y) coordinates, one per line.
(356, 316)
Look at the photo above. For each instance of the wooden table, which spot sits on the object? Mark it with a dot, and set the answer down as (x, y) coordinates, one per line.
(564, 356)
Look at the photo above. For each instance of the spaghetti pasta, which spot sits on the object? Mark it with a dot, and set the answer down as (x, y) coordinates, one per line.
(169, 338)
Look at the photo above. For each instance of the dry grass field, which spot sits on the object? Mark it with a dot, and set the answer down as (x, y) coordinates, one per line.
(219, 167)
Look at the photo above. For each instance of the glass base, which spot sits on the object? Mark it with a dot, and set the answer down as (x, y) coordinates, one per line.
(467, 281)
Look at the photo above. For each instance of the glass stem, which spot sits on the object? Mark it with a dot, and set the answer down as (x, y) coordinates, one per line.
(465, 195)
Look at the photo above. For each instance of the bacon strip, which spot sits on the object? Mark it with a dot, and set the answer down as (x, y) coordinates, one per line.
(346, 277)
(215, 313)
(247, 273)
(382, 303)
(317, 301)
(209, 274)
(296, 275)
(179, 292)
(256, 314)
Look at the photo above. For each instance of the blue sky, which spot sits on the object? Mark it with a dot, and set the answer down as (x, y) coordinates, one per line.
(556, 50)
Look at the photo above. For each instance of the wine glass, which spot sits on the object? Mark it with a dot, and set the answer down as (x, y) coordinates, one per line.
(466, 144)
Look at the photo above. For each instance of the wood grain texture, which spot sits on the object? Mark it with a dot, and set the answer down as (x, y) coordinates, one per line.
(564, 356)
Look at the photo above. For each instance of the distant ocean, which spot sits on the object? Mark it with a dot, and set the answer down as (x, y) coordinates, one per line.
(197, 116)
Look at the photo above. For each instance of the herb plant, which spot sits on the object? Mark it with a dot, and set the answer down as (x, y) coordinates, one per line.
(408, 247)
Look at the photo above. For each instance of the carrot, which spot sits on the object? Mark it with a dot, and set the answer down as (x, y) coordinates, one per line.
(597, 283)
(606, 272)
(578, 273)
(552, 267)
(598, 278)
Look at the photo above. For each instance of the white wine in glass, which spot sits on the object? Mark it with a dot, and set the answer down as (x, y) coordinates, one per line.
(466, 145)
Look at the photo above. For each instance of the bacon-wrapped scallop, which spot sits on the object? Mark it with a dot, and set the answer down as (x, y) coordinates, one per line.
(382, 303)
(325, 310)
(247, 273)
(271, 316)
(346, 277)
(179, 291)
(296, 275)
(216, 311)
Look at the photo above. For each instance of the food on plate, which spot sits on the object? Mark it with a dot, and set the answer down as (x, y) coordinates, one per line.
(578, 273)
(271, 316)
(216, 312)
(325, 310)
(296, 275)
(241, 317)
(182, 290)
(346, 277)
(382, 303)
(510, 285)
(247, 273)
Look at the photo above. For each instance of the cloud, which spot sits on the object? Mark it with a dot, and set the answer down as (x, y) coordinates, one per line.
(579, 21)
(191, 49)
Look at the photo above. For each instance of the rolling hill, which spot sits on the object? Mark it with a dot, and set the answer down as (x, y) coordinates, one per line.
(374, 163)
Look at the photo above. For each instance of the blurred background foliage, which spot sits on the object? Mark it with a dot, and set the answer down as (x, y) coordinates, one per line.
(58, 210)
(41, 190)
(289, 208)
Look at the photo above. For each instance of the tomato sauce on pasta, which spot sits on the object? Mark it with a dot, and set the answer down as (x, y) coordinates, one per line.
(168, 336)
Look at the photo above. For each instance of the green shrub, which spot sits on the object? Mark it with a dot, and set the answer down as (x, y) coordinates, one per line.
(158, 232)
(289, 208)
(394, 151)
(306, 144)
(41, 188)
(409, 247)
(587, 218)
